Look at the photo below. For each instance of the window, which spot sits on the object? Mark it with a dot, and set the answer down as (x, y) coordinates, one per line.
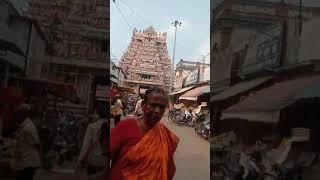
(144, 76)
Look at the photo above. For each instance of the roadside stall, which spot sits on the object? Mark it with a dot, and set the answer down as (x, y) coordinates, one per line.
(127, 96)
(276, 132)
(43, 96)
(191, 97)
(174, 96)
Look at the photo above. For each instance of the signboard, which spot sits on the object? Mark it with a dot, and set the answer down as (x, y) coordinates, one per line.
(300, 134)
(192, 78)
(264, 50)
(253, 9)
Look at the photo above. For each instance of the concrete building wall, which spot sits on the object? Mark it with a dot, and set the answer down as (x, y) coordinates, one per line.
(37, 56)
(179, 80)
(15, 29)
(222, 58)
(310, 40)
(121, 77)
(206, 75)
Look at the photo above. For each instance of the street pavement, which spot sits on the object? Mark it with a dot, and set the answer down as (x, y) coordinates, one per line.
(192, 157)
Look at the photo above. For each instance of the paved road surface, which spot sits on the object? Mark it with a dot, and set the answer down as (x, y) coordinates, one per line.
(192, 156)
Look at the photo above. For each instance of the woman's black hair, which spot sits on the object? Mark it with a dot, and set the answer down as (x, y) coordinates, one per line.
(153, 90)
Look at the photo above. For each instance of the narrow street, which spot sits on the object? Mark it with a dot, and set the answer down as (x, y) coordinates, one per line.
(192, 156)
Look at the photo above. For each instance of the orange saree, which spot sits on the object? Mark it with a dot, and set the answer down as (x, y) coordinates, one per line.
(152, 157)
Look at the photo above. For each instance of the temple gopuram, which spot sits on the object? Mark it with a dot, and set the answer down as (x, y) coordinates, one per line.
(146, 61)
(78, 34)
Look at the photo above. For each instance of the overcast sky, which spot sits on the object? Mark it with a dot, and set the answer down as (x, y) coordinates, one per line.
(193, 37)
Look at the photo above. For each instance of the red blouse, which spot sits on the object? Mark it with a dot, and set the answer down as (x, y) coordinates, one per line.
(122, 137)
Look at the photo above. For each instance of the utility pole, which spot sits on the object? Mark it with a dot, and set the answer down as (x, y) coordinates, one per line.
(300, 17)
(203, 63)
(176, 24)
(283, 37)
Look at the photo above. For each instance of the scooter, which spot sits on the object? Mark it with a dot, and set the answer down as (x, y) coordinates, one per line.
(198, 123)
(65, 141)
(186, 119)
(65, 150)
(206, 131)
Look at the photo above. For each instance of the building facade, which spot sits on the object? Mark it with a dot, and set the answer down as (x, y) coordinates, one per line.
(252, 37)
(22, 46)
(146, 62)
(116, 75)
(78, 31)
(189, 73)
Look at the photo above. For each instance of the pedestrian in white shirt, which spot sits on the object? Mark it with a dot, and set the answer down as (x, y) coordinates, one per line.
(93, 155)
(118, 109)
(28, 144)
(138, 110)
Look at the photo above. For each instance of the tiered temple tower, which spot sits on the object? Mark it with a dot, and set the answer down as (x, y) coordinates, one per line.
(146, 61)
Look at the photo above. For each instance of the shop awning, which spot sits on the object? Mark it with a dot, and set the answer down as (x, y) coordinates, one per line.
(206, 90)
(193, 94)
(265, 105)
(239, 88)
(6, 45)
(182, 90)
(210, 92)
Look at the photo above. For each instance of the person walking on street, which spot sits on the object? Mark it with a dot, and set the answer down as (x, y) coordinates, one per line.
(118, 109)
(93, 155)
(28, 150)
(138, 110)
(142, 147)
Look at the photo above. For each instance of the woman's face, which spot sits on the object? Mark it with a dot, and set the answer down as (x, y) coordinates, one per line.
(154, 108)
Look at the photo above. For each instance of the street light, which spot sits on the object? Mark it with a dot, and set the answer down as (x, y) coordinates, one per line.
(175, 23)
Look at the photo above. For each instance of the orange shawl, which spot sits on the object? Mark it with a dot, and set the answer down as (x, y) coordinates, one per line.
(152, 157)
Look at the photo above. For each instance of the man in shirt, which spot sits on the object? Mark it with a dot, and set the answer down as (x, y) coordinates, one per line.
(138, 110)
(118, 108)
(28, 144)
(92, 151)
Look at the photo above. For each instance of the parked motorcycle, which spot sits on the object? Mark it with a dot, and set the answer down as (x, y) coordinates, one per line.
(186, 119)
(65, 140)
(206, 130)
(175, 115)
(199, 122)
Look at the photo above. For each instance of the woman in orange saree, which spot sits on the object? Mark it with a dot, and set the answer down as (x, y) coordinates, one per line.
(143, 148)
